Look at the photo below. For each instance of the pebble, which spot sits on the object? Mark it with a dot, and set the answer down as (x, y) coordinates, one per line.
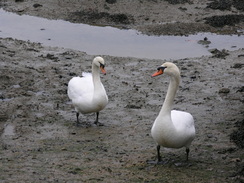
(224, 90)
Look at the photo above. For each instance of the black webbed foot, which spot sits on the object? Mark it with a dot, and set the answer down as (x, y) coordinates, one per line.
(98, 123)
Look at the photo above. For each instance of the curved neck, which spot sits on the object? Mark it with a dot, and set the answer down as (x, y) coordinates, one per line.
(172, 89)
(96, 77)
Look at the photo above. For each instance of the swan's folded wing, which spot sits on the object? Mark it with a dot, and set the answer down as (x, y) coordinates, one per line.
(81, 86)
(87, 75)
(182, 119)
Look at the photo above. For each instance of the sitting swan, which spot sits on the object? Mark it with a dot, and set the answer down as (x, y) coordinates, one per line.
(172, 129)
(87, 93)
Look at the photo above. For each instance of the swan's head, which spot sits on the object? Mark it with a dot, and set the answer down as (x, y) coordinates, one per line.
(99, 62)
(167, 68)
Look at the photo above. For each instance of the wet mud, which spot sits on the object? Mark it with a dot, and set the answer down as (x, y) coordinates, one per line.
(40, 141)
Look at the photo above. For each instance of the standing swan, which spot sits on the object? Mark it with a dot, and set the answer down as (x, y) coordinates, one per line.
(87, 93)
(172, 129)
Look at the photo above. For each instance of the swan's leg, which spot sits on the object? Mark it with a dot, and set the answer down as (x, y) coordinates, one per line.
(77, 116)
(158, 150)
(187, 153)
(97, 118)
(159, 158)
(96, 122)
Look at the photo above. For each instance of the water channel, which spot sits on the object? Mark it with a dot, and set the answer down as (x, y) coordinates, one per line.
(109, 40)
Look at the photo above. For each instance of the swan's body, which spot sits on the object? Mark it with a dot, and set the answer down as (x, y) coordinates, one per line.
(172, 129)
(87, 93)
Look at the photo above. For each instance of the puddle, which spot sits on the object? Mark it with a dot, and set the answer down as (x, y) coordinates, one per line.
(16, 86)
(6, 99)
(8, 130)
(110, 41)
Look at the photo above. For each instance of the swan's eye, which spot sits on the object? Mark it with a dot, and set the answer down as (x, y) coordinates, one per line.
(102, 65)
(161, 68)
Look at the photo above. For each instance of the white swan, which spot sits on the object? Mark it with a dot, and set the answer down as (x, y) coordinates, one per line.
(172, 129)
(87, 93)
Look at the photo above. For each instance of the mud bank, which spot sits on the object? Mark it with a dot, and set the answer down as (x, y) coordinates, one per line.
(40, 142)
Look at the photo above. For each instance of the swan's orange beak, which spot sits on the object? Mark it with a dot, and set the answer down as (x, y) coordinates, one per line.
(102, 70)
(159, 72)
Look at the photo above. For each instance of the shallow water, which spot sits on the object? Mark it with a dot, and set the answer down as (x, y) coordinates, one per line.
(109, 40)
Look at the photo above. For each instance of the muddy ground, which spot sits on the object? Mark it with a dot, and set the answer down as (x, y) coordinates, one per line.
(39, 139)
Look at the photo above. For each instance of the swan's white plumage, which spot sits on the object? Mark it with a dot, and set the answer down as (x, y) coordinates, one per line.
(81, 91)
(87, 93)
(180, 134)
(172, 128)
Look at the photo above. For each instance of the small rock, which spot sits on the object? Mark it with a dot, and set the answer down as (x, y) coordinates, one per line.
(37, 5)
(205, 41)
(68, 57)
(218, 54)
(182, 8)
(111, 1)
(235, 160)
(210, 135)
(224, 90)
(241, 89)
(237, 66)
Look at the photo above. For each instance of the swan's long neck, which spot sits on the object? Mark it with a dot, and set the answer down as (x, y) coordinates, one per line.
(172, 89)
(96, 78)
